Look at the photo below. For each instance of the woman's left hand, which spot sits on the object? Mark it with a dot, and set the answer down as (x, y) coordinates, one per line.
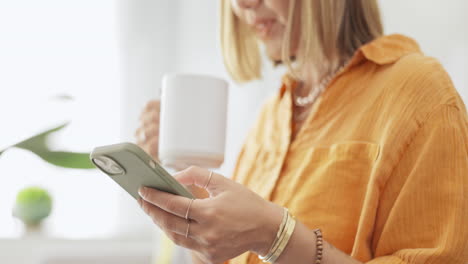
(231, 221)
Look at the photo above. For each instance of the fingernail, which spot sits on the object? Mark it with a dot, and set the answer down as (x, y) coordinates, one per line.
(141, 191)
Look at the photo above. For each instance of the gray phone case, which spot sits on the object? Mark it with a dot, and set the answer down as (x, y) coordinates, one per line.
(139, 170)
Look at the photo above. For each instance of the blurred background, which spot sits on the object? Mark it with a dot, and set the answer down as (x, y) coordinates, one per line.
(97, 63)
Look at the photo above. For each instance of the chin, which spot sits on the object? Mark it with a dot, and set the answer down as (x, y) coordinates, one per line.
(274, 53)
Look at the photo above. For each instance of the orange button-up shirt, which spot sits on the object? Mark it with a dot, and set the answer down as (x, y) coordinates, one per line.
(381, 163)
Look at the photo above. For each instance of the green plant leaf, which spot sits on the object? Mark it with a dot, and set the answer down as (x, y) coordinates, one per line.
(38, 145)
(71, 160)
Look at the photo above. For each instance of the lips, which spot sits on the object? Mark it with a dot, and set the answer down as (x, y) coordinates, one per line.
(263, 28)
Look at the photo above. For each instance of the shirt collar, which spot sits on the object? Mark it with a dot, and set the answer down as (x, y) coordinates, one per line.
(388, 49)
(383, 50)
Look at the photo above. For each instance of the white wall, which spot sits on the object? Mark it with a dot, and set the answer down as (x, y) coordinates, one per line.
(437, 25)
(440, 27)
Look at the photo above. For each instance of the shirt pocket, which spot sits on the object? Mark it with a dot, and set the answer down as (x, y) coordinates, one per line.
(330, 184)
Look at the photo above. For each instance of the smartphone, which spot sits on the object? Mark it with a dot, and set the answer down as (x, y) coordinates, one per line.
(131, 167)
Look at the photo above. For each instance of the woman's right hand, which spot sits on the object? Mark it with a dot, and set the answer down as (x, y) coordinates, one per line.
(147, 135)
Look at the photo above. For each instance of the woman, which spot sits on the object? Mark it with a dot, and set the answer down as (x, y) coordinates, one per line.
(366, 144)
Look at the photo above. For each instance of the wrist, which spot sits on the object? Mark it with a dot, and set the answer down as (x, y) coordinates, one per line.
(268, 229)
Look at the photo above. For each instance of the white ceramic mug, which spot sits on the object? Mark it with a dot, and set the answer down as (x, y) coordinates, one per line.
(193, 121)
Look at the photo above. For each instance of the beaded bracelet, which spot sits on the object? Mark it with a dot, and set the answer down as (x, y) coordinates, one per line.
(319, 250)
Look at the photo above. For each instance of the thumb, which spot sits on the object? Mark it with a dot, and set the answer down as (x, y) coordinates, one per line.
(212, 182)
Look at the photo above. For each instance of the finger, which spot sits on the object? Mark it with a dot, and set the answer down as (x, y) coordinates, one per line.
(153, 148)
(151, 106)
(138, 137)
(150, 118)
(146, 147)
(171, 203)
(168, 221)
(182, 241)
(151, 130)
(201, 178)
(200, 256)
(198, 192)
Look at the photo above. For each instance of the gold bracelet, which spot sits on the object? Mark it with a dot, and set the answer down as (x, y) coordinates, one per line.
(284, 242)
(278, 242)
(278, 237)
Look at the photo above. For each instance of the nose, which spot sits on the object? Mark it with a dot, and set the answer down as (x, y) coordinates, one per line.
(248, 4)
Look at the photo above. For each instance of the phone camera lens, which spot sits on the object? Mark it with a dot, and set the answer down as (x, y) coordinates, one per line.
(114, 169)
(108, 165)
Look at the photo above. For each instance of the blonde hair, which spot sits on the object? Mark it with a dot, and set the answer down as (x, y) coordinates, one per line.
(330, 31)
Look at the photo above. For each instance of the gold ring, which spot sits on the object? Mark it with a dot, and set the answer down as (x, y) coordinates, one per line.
(188, 210)
(188, 229)
(209, 179)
